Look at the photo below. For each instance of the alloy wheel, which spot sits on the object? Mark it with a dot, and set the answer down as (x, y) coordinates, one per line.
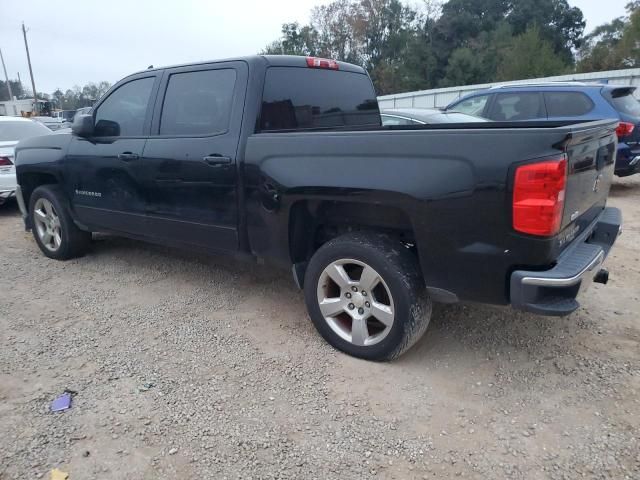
(47, 224)
(356, 302)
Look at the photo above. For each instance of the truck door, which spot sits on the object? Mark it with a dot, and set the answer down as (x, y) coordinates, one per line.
(190, 158)
(104, 170)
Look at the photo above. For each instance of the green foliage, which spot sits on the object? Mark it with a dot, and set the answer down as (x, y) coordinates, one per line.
(530, 56)
(559, 23)
(78, 97)
(294, 41)
(460, 42)
(441, 43)
(629, 47)
(600, 48)
(16, 90)
(613, 45)
(464, 68)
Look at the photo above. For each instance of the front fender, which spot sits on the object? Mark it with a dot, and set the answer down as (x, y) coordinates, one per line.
(43, 155)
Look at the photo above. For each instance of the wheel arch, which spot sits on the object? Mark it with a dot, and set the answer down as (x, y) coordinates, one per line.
(312, 223)
(31, 180)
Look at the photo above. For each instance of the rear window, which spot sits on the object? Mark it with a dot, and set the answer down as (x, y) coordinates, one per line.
(626, 103)
(567, 104)
(305, 98)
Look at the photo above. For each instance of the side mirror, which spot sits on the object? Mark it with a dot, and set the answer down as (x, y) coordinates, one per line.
(82, 125)
(107, 128)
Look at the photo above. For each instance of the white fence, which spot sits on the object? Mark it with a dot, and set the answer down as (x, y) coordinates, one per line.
(441, 97)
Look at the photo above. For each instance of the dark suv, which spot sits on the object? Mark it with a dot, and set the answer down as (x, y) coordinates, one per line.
(564, 101)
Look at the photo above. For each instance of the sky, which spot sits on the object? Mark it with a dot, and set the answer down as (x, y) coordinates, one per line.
(73, 42)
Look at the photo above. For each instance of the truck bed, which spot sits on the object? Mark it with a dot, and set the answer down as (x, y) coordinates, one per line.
(449, 185)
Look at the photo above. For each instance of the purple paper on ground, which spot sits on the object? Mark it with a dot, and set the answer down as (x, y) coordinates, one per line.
(63, 402)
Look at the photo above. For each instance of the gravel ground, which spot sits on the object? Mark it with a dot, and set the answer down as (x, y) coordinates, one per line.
(200, 367)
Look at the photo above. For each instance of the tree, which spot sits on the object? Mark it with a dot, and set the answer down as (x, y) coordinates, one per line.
(629, 46)
(613, 45)
(442, 43)
(16, 90)
(377, 34)
(559, 23)
(600, 47)
(530, 56)
(294, 41)
(77, 97)
(464, 68)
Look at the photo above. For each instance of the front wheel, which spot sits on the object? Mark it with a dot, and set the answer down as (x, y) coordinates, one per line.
(53, 228)
(366, 297)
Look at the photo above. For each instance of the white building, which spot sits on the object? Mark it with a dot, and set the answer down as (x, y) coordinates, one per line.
(441, 97)
(18, 108)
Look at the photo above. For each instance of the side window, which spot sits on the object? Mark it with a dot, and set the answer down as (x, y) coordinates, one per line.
(567, 104)
(123, 112)
(512, 107)
(198, 103)
(393, 120)
(472, 106)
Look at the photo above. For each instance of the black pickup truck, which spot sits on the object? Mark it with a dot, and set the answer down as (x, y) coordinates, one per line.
(283, 159)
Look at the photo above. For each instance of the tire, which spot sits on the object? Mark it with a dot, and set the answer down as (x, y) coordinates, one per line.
(379, 324)
(55, 233)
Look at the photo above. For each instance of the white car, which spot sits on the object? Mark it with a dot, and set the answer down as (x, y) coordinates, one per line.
(12, 130)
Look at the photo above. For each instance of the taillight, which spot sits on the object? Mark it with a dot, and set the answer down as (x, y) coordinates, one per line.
(5, 162)
(624, 128)
(316, 62)
(538, 197)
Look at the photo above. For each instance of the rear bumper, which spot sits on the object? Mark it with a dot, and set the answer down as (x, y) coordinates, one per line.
(554, 291)
(5, 194)
(7, 185)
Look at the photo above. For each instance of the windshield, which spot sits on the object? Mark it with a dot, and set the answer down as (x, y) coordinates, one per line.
(627, 104)
(471, 106)
(68, 114)
(14, 131)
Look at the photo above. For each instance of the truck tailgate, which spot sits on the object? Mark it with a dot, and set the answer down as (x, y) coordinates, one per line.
(591, 154)
(588, 227)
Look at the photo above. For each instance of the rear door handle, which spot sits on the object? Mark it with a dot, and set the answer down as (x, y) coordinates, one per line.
(127, 156)
(217, 160)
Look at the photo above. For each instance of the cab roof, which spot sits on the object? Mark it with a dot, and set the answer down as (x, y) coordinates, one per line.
(268, 60)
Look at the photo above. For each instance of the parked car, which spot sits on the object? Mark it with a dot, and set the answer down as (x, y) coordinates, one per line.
(12, 130)
(65, 117)
(422, 116)
(52, 123)
(284, 160)
(564, 101)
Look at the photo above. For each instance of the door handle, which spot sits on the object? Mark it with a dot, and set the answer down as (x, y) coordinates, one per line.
(127, 156)
(214, 160)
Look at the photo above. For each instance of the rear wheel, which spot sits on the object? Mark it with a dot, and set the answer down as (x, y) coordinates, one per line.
(53, 228)
(366, 297)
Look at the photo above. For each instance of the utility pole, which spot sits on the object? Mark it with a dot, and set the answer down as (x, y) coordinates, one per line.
(33, 83)
(6, 77)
